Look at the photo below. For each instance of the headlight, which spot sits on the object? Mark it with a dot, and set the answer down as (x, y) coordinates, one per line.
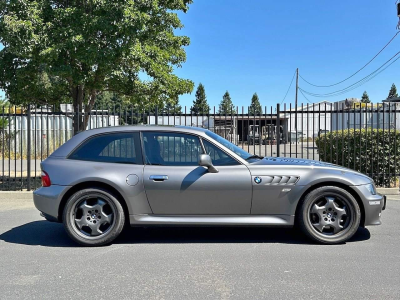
(371, 188)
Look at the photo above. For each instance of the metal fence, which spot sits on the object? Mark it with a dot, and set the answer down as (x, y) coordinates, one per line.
(30, 134)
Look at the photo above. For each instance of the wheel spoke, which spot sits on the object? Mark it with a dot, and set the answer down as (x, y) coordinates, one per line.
(95, 229)
(336, 226)
(318, 210)
(321, 225)
(341, 212)
(330, 202)
(85, 207)
(81, 222)
(106, 218)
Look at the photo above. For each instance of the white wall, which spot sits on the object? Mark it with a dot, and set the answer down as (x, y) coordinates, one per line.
(47, 131)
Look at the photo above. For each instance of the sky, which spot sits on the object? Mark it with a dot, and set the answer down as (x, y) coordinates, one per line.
(255, 46)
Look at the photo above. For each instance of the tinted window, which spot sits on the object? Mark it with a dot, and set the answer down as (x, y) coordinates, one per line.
(113, 148)
(171, 149)
(219, 157)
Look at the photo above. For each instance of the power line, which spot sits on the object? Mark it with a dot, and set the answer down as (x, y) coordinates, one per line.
(289, 87)
(358, 83)
(324, 86)
(355, 87)
(301, 91)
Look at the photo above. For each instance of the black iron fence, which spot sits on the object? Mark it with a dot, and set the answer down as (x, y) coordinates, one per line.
(364, 137)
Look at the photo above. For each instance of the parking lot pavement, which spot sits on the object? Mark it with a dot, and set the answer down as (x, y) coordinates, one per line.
(393, 197)
(38, 261)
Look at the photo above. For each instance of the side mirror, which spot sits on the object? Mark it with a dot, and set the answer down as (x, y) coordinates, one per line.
(205, 161)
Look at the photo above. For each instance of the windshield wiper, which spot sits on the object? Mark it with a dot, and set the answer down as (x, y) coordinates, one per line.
(254, 156)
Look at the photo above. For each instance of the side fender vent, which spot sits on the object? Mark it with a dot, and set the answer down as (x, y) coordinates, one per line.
(280, 180)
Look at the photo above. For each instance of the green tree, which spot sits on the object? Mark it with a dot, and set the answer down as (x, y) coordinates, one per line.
(365, 98)
(393, 92)
(255, 107)
(200, 105)
(75, 50)
(3, 101)
(3, 120)
(226, 105)
(172, 107)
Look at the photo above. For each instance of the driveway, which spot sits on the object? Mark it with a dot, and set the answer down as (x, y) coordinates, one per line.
(39, 261)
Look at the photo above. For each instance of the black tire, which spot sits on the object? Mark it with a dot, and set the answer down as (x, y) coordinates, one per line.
(84, 236)
(311, 222)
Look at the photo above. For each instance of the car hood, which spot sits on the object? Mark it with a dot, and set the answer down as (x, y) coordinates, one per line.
(286, 161)
(296, 166)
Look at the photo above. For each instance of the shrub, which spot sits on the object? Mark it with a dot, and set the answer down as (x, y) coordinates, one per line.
(374, 152)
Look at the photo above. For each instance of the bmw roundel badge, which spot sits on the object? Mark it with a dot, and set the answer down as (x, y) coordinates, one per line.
(257, 180)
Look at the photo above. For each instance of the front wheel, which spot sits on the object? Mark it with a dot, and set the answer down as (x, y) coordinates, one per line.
(329, 215)
(93, 217)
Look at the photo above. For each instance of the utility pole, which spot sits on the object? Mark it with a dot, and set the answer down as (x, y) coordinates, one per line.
(398, 13)
(297, 85)
(295, 102)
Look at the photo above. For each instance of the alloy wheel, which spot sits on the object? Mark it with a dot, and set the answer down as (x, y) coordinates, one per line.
(93, 216)
(330, 215)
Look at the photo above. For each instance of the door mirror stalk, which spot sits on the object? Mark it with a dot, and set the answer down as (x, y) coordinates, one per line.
(205, 161)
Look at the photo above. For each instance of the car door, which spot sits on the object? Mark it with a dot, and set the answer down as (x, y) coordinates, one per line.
(176, 185)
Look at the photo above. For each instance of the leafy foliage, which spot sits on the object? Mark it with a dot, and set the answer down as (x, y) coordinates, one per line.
(226, 105)
(72, 51)
(200, 105)
(393, 92)
(365, 98)
(172, 107)
(255, 107)
(3, 102)
(369, 151)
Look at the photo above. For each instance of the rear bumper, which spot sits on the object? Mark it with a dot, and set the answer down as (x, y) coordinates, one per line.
(47, 200)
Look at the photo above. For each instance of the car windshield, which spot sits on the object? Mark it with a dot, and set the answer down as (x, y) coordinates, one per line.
(239, 151)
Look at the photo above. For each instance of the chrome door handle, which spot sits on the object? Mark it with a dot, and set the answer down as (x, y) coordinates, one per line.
(158, 177)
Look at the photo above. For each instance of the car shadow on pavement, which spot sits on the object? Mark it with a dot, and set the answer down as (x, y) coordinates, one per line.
(49, 234)
(182, 235)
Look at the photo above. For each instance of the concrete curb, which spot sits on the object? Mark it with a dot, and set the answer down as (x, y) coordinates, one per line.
(388, 191)
(4, 195)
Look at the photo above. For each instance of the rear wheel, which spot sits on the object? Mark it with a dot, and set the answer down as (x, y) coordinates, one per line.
(329, 215)
(93, 217)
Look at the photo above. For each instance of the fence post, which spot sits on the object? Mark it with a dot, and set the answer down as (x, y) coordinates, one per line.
(28, 155)
(278, 130)
(156, 116)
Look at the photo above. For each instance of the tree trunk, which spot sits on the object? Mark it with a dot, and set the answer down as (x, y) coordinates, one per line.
(89, 107)
(77, 95)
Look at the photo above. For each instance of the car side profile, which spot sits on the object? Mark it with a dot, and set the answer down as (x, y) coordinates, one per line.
(103, 179)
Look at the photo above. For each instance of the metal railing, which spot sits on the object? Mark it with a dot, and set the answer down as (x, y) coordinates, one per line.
(29, 135)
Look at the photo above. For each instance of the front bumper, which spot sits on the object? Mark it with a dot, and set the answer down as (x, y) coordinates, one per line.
(48, 199)
(373, 205)
(384, 203)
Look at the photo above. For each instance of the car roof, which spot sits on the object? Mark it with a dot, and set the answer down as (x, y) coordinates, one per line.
(144, 128)
(67, 147)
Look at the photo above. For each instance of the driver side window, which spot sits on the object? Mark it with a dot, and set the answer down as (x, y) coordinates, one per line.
(171, 149)
(218, 157)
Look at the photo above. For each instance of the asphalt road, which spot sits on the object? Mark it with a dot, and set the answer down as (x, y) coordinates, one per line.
(38, 261)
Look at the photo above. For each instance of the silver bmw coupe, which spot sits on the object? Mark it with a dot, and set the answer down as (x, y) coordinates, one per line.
(103, 179)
